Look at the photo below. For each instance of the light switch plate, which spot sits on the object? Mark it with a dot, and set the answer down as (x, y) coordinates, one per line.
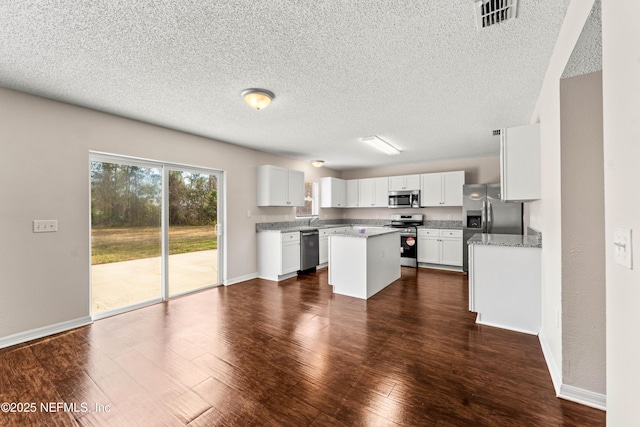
(622, 247)
(45, 225)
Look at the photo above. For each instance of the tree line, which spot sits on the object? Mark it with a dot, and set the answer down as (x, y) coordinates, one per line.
(130, 196)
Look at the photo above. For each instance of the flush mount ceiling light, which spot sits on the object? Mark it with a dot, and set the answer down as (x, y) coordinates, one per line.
(257, 98)
(381, 145)
(317, 163)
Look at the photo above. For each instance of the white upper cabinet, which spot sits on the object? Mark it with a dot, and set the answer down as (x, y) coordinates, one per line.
(441, 189)
(404, 183)
(381, 192)
(353, 196)
(520, 163)
(295, 188)
(373, 192)
(452, 183)
(333, 193)
(280, 186)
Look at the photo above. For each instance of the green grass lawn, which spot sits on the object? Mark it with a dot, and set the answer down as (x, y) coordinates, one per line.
(124, 244)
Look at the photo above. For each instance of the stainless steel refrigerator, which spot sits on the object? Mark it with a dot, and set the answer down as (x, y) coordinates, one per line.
(484, 212)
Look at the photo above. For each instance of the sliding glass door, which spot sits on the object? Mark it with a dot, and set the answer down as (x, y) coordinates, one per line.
(154, 232)
(126, 235)
(193, 221)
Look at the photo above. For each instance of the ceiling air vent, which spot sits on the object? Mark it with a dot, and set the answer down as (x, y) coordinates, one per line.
(491, 12)
(496, 132)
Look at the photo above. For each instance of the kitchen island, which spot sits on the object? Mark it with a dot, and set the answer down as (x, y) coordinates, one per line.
(363, 261)
(505, 281)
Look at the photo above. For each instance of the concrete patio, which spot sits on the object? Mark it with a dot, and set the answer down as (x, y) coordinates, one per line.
(121, 284)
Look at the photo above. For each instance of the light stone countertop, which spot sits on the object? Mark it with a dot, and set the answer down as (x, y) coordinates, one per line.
(303, 225)
(365, 232)
(442, 224)
(508, 240)
(302, 228)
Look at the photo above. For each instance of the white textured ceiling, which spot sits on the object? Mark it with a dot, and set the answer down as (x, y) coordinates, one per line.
(416, 73)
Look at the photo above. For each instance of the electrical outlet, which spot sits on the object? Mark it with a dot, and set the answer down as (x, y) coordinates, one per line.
(45, 225)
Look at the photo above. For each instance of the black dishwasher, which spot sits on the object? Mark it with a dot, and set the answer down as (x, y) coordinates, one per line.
(309, 250)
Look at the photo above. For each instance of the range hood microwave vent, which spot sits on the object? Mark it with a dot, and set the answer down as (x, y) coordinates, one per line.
(491, 12)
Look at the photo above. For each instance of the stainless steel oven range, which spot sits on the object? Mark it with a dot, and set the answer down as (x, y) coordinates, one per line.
(408, 237)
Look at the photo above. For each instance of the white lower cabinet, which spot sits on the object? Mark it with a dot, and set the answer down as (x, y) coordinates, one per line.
(324, 242)
(290, 249)
(278, 255)
(323, 247)
(440, 247)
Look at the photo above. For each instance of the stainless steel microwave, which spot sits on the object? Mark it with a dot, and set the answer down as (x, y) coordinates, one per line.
(404, 199)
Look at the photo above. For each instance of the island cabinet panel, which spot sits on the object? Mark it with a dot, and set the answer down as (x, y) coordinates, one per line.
(280, 186)
(505, 287)
(360, 267)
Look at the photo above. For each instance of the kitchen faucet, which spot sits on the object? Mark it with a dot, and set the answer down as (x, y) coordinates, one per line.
(313, 219)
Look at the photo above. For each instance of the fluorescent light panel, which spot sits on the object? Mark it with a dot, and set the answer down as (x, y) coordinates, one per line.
(381, 145)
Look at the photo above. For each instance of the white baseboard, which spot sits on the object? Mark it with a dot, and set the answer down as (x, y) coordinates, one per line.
(239, 279)
(584, 397)
(440, 267)
(568, 392)
(33, 334)
(508, 328)
(556, 376)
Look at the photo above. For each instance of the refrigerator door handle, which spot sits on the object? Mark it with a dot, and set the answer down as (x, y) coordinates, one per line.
(489, 218)
(484, 216)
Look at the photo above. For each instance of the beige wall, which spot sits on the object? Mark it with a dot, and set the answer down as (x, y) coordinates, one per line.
(545, 215)
(45, 158)
(583, 250)
(621, 96)
(481, 170)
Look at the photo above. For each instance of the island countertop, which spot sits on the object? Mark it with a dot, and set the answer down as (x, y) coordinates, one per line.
(509, 240)
(365, 232)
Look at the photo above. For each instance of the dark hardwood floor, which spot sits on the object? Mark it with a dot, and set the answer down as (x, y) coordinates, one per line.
(291, 354)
